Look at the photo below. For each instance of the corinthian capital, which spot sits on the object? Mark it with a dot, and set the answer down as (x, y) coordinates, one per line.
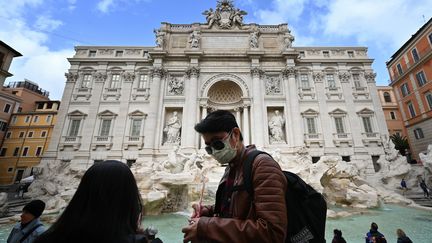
(71, 77)
(129, 76)
(193, 72)
(257, 72)
(370, 77)
(289, 72)
(158, 72)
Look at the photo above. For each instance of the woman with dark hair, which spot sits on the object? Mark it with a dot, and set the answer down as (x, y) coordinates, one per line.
(337, 238)
(105, 208)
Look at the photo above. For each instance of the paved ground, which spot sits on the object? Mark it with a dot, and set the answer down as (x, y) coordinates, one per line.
(419, 198)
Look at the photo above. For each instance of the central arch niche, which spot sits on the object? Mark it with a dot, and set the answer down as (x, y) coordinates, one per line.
(225, 93)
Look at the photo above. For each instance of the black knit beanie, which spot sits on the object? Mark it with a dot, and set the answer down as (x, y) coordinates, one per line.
(35, 207)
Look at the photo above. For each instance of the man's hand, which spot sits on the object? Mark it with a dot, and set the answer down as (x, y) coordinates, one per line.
(191, 231)
(197, 211)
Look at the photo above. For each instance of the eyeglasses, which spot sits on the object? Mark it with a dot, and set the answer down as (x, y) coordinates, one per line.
(218, 144)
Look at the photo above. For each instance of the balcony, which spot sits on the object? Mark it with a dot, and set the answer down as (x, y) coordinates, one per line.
(306, 92)
(82, 92)
(112, 92)
(342, 138)
(310, 139)
(102, 141)
(137, 141)
(360, 91)
(70, 141)
(141, 92)
(371, 137)
(333, 92)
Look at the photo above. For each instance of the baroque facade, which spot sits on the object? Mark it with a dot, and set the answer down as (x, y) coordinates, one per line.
(139, 103)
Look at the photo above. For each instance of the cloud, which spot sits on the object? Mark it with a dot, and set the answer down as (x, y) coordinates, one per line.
(39, 63)
(281, 11)
(386, 22)
(105, 5)
(71, 4)
(47, 23)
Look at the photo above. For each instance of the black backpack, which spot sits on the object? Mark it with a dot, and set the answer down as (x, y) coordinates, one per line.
(306, 208)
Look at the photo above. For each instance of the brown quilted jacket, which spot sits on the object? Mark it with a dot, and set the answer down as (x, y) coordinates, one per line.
(263, 220)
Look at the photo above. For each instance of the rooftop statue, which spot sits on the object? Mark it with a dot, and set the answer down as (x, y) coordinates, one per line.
(225, 16)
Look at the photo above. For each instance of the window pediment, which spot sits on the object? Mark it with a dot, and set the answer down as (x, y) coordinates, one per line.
(107, 113)
(138, 113)
(365, 111)
(337, 112)
(310, 112)
(77, 113)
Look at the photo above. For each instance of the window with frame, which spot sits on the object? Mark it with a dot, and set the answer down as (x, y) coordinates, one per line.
(367, 125)
(415, 55)
(25, 151)
(10, 169)
(14, 119)
(3, 152)
(3, 126)
(16, 151)
(43, 134)
(30, 134)
(36, 119)
(311, 127)
(399, 68)
(86, 81)
(49, 105)
(92, 53)
(8, 134)
(115, 81)
(392, 115)
(421, 79)
(429, 100)
(304, 81)
(339, 125)
(387, 97)
(411, 109)
(142, 82)
(136, 127)
(21, 134)
(40, 106)
(119, 53)
(38, 151)
(404, 89)
(27, 119)
(48, 118)
(105, 127)
(356, 79)
(418, 133)
(7, 108)
(74, 127)
(330, 80)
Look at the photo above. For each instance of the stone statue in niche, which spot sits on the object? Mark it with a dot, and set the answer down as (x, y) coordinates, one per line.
(288, 40)
(175, 86)
(253, 40)
(194, 39)
(273, 86)
(159, 38)
(172, 129)
(276, 125)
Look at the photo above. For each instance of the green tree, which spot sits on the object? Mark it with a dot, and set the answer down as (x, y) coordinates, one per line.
(400, 142)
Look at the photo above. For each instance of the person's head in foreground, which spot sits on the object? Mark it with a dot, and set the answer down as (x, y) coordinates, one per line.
(31, 211)
(106, 207)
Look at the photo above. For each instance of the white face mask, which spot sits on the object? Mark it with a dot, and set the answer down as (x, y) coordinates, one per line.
(225, 155)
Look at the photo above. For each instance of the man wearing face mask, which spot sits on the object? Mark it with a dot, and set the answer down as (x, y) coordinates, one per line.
(236, 216)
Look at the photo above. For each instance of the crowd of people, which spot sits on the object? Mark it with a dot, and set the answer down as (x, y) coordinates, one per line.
(94, 214)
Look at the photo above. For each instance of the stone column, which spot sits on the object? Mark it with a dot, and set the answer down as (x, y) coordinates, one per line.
(151, 124)
(238, 117)
(258, 114)
(204, 114)
(246, 131)
(190, 113)
(294, 105)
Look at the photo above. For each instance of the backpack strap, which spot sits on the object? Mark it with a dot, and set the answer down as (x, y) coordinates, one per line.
(29, 232)
(247, 171)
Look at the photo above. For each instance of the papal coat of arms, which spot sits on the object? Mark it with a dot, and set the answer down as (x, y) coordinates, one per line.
(225, 15)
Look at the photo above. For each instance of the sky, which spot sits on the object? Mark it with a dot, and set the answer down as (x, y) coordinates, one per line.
(46, 31)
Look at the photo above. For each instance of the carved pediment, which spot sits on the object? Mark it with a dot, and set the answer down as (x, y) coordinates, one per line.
(76, 113)
(107, 113)
(338, 112)
(310, 112)
(366, 111)
(137, 113)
